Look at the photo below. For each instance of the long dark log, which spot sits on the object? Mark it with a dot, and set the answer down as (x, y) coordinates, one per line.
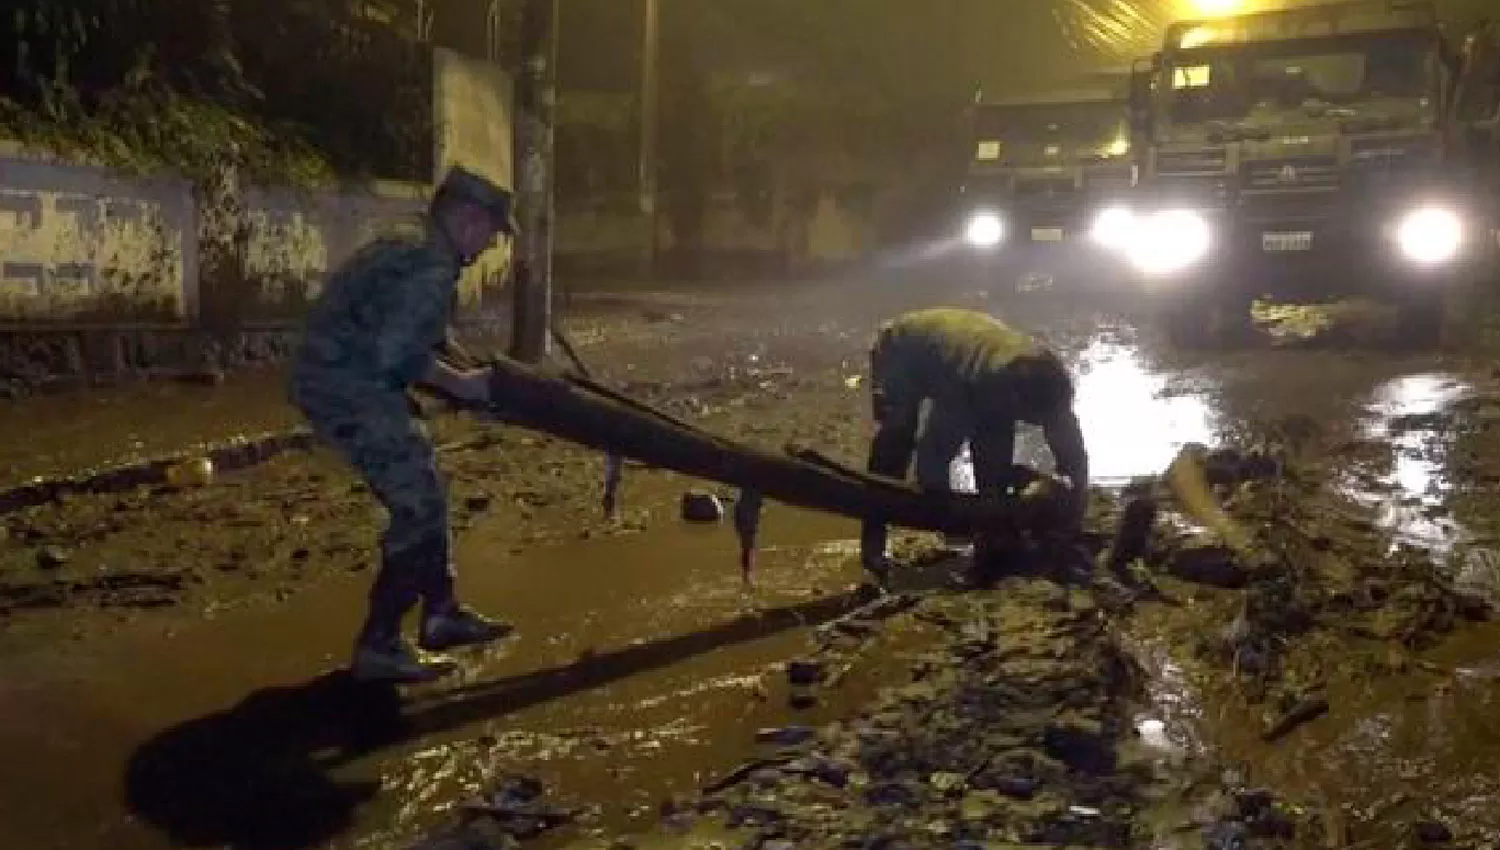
(584, 412)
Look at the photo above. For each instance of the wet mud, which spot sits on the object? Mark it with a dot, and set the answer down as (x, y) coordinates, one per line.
(169, 654)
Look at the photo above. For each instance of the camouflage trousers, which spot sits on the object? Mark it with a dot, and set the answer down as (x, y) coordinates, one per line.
(393, 454)
(931, 416)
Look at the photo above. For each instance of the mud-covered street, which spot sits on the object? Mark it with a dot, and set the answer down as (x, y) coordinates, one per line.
(170, 653)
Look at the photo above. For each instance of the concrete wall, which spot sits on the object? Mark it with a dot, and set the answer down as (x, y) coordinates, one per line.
(473, 101)
(78, 243)
(295, 238)
(599, 237)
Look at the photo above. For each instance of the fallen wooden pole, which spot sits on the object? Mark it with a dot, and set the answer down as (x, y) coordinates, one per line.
(582, 411)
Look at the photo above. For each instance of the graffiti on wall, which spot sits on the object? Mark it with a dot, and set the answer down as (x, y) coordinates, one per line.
(295, 239)
(69, 253)
(287, 251)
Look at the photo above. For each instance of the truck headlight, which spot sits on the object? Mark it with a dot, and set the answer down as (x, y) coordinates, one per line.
(1112, 227)
(985, 230)
(1170, 241)
(1430, 235)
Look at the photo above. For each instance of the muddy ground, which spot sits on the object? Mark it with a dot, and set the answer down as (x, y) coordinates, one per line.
(168, 655)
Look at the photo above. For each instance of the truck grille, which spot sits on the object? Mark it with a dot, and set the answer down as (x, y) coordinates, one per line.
(1193, 191)
(1292, 175)
(1192, 163)
(1108, 180)
(1046, 187)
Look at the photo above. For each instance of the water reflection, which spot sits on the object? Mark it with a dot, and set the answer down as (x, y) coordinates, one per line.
(1406, 413)
(1133, 425)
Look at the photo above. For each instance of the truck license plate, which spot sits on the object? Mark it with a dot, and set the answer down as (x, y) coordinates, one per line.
(1287, 241)
(1046, 234)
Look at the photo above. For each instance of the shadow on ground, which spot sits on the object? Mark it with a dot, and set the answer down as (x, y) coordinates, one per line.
(258, 775)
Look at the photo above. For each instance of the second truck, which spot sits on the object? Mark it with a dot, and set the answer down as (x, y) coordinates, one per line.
(1311, 154)
(1046, 185)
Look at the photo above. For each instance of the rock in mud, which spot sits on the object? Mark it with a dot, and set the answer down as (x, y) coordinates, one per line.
(698, 506)
(803, 672)
(802, 699)
(1210, 565)
(1226, 835)
(1305, 711)
(516, 808)
(1081, 744)
(1432, 832)
(786, 736)
(1015, 787)
(51, 558)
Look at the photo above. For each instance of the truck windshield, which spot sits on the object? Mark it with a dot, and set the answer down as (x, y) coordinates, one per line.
(1231, 82)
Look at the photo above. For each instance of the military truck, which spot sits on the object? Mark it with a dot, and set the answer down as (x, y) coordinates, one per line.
(1305, 155)
(1045, 186)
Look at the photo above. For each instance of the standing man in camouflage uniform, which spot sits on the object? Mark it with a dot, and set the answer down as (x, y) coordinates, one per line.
(980, 378)
(371, 337)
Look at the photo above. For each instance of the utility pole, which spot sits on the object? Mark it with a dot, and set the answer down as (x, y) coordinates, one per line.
(650, 100)
(536, 96)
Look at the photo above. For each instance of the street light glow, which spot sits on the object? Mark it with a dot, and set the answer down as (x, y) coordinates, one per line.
(1215, 8)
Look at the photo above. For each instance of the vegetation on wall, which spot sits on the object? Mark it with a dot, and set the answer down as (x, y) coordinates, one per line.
(286, 91)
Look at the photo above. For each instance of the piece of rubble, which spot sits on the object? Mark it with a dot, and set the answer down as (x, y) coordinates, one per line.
(1226, 835)
(804, 672)
(698, 506)
(51, 557)
(1305, 711)
(1210, 565)
(786, 736)
(1432, 832)
(516, 807)
(802, 699)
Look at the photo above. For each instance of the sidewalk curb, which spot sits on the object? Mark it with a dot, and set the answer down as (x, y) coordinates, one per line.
(237, 454)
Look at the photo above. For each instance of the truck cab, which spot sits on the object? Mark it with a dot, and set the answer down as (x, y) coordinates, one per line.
(1304, 155)
(1046, 182)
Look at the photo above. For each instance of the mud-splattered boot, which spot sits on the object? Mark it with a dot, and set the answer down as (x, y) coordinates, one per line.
(395, 661)
(380, 654)
(447, 626)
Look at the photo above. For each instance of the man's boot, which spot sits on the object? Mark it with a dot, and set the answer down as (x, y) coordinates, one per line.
(445, 623)
(380, 654)
(449, 624)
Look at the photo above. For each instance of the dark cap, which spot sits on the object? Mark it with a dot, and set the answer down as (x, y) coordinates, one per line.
(465, 186)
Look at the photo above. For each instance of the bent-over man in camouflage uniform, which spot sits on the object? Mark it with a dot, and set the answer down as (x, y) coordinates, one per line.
(370, 337)
(981, 377)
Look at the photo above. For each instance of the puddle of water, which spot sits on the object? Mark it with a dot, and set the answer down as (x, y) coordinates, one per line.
(87, 430)
(1414, 489)
(1392, 749)
(641, 664)
(1132, 424)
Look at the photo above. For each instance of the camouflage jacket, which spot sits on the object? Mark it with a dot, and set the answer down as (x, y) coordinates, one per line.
(950, 353)
(378, 322)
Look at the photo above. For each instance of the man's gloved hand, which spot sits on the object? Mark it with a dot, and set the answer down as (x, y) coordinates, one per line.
(1062, 503)
(474, 387)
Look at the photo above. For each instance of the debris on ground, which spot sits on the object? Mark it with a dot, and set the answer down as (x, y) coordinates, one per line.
(698, 506)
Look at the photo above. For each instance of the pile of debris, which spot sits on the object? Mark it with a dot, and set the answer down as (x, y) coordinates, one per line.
(1014, 729)
(1009, 732)
(1312, 569)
